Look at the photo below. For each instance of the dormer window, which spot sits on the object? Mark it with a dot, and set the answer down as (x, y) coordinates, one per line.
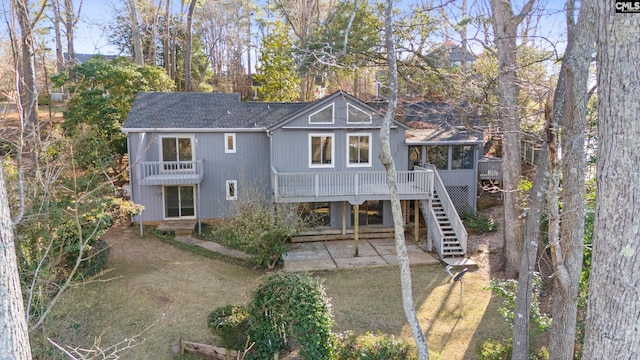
(322, 116)
(357, 116)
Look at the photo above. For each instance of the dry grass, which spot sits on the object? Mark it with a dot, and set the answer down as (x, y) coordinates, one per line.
(155, 283)
(370, 300)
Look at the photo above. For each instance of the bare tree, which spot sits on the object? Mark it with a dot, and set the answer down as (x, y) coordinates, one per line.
(505, 27)
(189, 43)
(387, 160)
(570, 113)
(135, 33)
(613, 310)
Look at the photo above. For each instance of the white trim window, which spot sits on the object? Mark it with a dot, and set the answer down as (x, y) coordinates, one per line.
(356, 115)
(231, 189)
(359, 150)
(176, 153)
(322, 116)
(321, 150)
(229, 143)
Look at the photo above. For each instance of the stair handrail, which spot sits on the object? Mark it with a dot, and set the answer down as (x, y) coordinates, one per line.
(449, 208)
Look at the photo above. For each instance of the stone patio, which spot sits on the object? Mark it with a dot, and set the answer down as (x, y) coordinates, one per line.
(332, 255)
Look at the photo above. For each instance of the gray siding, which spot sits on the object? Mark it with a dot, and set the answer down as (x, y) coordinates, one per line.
(291, 142)
(249, 165)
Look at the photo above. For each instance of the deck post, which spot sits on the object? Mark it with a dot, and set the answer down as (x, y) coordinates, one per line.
(416, 228)
(356, 221)
(344, 218)
(198, 209)
(429, 228)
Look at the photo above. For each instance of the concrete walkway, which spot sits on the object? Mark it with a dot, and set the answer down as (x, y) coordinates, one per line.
(213, 246)
(331, 255)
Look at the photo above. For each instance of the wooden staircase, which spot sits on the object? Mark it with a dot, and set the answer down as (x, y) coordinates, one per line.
(451, 246)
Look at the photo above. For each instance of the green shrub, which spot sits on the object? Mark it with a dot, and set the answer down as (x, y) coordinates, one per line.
(290, 308)
(97, 259)
(500, 350)
(483, 223)
(495, 350)
(257, 229)
(230, 323)
(349, 346)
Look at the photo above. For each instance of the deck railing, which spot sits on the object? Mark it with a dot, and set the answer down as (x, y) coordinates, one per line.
(170, 172)
(322, 184)
(490, 169)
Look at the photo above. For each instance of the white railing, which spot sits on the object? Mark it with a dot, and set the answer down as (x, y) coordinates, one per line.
(161, 172)
(321, 184)
(450, 210)
(490, 169)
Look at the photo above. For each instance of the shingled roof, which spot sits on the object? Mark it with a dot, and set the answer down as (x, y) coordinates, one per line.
(165, 110)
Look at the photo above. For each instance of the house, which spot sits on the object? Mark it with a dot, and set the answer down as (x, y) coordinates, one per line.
(194, 155)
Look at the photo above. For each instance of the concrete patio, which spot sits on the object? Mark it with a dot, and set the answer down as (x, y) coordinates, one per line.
(332, 255)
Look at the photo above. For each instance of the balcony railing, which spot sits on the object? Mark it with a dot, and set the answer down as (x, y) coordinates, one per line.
(325, 186)
(490, 169)
(170, 172)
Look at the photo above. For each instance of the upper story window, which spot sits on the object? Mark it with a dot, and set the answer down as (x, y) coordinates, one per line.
(177, 153)
(321, 150)
(359, 151)
(462, 157)
(229, 143)
(322, 116)
(357, 116)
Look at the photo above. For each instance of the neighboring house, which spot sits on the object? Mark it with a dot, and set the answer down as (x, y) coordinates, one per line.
(195, 155)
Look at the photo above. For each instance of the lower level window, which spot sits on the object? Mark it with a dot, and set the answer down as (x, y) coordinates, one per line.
(232, 189)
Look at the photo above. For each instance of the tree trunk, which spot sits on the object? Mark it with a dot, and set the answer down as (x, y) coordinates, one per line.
(613, 310)
(187, 56)
(57, 20)
(530, 249)
(27, 85)
(14, 336)
(398, 223)
(70, 24)
(505, 27)
(568, 249)
(135, 33)
(166, 57)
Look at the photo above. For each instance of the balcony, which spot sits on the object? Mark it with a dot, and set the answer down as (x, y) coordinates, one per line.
(354, 187)
(170, 172)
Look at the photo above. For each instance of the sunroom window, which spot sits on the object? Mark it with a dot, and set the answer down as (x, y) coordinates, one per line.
(462, 157)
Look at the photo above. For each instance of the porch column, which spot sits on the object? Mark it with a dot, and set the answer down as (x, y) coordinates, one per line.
(356, 220)
(416, 229)
(344, 218)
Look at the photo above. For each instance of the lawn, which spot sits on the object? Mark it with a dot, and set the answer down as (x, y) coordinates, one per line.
(155, 285)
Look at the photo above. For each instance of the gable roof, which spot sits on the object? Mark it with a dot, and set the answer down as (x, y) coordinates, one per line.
(167, 110)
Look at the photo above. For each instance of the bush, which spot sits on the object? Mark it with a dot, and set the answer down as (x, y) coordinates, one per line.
(97, 259)
(497, 350)
(257, 229)
(230, 323)
(482, 223)
(380, 346)
(290, 308)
